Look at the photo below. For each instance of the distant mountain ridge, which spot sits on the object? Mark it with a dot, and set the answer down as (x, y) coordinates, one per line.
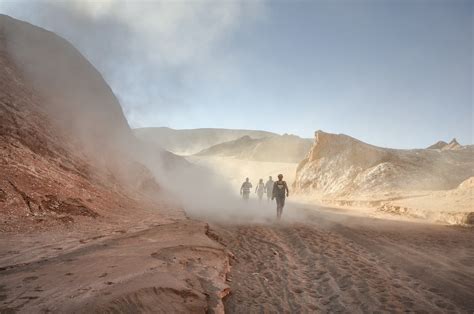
(453, 145)
(192, 141)
(284, 148)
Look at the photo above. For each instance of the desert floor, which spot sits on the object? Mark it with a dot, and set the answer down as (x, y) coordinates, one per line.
(327, 260)
(315, 259)
(148, 269)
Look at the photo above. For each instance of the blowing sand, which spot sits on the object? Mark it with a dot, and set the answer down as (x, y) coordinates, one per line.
(234, 171)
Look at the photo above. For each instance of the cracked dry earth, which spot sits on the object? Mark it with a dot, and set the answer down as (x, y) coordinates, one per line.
(359, 265)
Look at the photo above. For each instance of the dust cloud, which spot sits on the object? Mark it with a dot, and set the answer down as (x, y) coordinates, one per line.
(82, 105)
(150, 52)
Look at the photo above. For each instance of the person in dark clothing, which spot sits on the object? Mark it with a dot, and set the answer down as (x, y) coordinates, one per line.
(245, 189)
(280, 191)
(269, 188)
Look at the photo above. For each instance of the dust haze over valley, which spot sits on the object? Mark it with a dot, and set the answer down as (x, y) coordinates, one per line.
(105, 208)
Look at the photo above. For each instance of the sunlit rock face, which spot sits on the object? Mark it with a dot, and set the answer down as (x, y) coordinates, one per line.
(340, 165)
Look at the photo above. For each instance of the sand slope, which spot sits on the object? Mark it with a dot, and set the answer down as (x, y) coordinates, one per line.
(166, 267)
(454, 206)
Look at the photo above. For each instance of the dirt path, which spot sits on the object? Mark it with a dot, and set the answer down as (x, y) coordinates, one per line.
(333, 263)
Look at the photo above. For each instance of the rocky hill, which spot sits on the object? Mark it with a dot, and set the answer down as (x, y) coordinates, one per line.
(284, 148)
(72, 173)
(453, 145)
(63, 136)
(191, 141)
(339, 165)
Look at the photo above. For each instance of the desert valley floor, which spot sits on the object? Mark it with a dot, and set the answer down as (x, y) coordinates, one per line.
(316, 259)
(332, 262)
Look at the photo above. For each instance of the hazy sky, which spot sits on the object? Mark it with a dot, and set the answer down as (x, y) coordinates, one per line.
(391, 73)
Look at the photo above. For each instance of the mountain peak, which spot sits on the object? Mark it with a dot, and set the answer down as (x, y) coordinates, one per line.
(454, 142)
(453, 145)
(438, 145)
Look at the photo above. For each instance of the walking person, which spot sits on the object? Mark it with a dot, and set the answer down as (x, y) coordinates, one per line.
(260, 189)
(280, 191)
(245, 189)
(269, 188)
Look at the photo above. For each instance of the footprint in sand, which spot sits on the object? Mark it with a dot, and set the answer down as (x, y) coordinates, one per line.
(30, 278)
(28, 298)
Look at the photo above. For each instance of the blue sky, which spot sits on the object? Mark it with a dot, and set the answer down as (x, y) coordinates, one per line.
(391, 73)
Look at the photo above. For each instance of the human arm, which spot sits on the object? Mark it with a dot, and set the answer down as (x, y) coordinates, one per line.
(287, 191)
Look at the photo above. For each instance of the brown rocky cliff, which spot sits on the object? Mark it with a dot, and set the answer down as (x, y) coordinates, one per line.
(63, 153)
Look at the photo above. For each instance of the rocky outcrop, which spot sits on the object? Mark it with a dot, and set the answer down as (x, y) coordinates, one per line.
(284, 148)
(339, 165)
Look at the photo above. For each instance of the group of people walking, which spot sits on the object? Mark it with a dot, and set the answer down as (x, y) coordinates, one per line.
(274, 189)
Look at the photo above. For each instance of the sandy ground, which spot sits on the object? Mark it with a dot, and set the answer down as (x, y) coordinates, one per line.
(325, 260)
(314, 260)
(164, 268)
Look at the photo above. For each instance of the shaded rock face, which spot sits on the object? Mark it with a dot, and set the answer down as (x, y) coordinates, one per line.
(339, 165)
(76, 97)
(285, 148)
(62, 136)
